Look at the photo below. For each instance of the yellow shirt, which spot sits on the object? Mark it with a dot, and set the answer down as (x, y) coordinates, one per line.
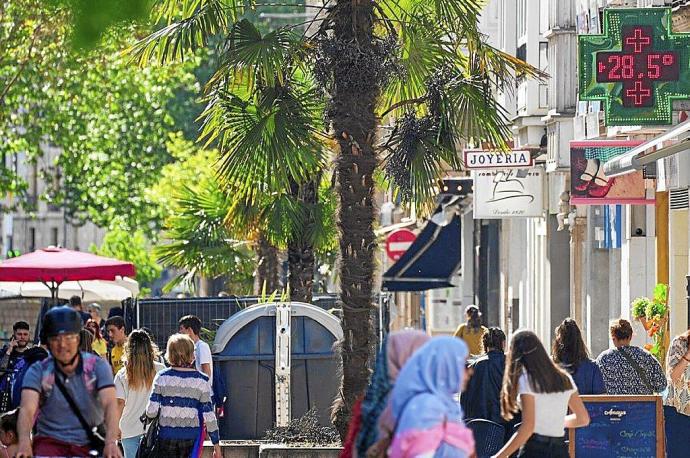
(99, 346)
(473, 339)
(116, 358)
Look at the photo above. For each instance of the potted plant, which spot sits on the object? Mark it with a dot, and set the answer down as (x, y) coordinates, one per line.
(653, 314)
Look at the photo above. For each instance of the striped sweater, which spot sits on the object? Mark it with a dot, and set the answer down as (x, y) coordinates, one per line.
(182, 398)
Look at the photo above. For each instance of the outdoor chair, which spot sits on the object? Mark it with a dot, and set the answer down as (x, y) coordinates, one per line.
(488, 437)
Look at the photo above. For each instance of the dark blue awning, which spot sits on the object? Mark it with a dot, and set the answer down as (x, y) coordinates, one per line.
(434, 257)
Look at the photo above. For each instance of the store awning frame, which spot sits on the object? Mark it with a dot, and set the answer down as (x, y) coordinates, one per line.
(420, 268)
(645, 153)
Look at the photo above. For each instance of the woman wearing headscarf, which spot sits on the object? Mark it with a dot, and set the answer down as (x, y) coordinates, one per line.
(428, 418)
(371, 425)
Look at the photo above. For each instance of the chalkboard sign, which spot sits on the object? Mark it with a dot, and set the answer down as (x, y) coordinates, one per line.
(620, 427)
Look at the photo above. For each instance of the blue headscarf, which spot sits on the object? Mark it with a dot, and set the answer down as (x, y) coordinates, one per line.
(429, 418)
(397, 348)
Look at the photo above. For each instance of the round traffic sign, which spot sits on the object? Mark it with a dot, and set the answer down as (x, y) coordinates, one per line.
(398, 242)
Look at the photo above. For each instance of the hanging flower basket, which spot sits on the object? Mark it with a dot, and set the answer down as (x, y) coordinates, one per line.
(653, 315)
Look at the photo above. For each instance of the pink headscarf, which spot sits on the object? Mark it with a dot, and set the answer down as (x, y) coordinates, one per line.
(401, 346)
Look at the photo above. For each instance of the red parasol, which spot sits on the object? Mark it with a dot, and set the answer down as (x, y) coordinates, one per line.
(53, 266)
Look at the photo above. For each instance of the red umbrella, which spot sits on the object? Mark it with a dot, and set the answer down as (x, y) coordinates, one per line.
(53, 266)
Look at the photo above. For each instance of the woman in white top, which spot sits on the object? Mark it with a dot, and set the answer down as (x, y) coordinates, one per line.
(543, 392)
(133, 387)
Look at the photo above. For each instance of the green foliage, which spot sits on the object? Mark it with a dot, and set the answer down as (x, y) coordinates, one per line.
(108, 120)
(91, 19)
(132, 247)
(639, 307)
(189, 166)
(661, 293)
(198, 242)
(113, 142)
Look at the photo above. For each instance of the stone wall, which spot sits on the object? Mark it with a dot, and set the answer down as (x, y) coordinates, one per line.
(13, 310)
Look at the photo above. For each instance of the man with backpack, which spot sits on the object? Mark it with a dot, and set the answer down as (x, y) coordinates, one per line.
(70, 394)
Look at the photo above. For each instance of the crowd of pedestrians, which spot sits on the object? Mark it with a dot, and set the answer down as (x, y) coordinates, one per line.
(78, 394)
(72, 395)
(411, 407)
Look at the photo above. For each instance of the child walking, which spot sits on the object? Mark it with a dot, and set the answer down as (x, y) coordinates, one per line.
(543, 392)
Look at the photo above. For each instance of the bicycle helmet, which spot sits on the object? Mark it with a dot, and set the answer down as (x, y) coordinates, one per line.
(60, 320)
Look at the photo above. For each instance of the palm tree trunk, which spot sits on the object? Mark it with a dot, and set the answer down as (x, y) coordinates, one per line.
(354, 122)
(267, 268)
(301, 258)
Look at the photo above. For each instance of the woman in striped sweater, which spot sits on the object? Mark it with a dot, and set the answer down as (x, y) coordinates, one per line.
(181, 398)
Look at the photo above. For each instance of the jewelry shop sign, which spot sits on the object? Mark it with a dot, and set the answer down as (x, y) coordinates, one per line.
(481, 159)
(508, 193)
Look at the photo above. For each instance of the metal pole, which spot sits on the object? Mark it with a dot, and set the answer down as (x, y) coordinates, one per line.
(282, 363)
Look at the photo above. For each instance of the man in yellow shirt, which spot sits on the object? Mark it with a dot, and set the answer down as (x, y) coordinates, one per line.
(118, 336)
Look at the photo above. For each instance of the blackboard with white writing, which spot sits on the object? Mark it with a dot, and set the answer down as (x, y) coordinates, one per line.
(620, 427)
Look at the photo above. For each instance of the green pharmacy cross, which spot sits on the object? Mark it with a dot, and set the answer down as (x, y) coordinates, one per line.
(637, 67)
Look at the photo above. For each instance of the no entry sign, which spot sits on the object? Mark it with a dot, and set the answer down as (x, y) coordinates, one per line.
(398, 242)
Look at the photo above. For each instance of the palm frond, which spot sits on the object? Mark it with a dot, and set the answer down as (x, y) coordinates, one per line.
(250, 58)
(423, 52)
(201, 20)
(414, 157)
(197, 239)
(265, 141)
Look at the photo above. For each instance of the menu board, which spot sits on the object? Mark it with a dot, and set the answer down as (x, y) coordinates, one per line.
(621, 426)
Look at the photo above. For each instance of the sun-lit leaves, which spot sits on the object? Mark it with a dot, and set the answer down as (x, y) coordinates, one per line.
(182, 38)
(250, 58)
(197, 239)
(133, 247)
(267, 140)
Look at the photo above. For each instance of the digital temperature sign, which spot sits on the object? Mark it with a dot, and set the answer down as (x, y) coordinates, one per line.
(637, 67)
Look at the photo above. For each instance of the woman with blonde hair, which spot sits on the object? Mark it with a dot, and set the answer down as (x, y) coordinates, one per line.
(133, 387)
(181, 399)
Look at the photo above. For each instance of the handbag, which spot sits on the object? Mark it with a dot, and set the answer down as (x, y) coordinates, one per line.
(148, 445)
(96, 434)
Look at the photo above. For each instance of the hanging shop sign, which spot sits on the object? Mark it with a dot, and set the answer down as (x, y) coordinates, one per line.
(590, 185)
(480, 159)
(637, 67)
(508, 193)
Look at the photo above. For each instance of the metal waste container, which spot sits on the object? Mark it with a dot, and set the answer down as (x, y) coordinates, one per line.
(244, 350)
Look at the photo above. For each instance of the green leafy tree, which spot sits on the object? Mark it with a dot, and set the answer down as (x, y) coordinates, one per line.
(109, 119)
(419, 67)
(135, 248)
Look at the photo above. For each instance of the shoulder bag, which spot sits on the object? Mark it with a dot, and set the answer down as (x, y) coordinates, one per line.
(637, 368)
(96, 434)
(148, 445)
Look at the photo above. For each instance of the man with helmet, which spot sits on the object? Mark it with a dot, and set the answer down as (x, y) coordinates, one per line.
(71, 392)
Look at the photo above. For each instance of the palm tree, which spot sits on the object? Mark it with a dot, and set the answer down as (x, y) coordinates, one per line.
(198, 240)
(405, 83)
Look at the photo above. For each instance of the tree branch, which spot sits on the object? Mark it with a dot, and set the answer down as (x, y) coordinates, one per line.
(402, 103)
(22, 66)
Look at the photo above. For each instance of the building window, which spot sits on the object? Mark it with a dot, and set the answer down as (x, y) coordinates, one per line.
(54, 236)
(32, 239)
(521, 18)
(543, 16)
(521, 52)
(544, 66)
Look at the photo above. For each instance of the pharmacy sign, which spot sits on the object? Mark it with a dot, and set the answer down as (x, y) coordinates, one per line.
(637, 67)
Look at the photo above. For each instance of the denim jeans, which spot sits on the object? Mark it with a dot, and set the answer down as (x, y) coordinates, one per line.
(541, 447)
(131, 445)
